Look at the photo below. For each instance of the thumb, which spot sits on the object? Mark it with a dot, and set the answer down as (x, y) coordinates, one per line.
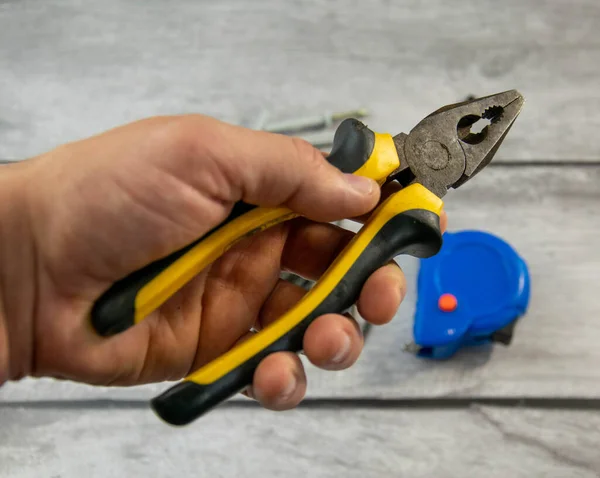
(269, 170)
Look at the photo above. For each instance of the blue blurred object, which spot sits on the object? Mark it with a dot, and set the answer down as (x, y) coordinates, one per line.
(472, 292)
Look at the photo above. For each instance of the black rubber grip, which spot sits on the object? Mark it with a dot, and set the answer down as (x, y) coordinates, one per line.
(415, 232)
(114, 311)
(352, 145)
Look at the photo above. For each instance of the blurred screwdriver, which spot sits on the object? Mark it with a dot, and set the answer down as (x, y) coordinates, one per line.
(293, 125)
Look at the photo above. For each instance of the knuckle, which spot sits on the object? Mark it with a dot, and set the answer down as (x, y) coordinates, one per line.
(308, 154)
(195, 149)
(185, 136)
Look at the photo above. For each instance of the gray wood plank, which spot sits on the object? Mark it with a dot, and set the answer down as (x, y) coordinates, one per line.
(549, 214)
(317, 443)
(72, 69)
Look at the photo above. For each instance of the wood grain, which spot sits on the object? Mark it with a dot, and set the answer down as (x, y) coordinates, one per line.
(487, 442)
(71, 69)
(549, 214)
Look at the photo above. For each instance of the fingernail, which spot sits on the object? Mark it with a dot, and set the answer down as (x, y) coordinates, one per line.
(393, 271)
(361, 184)
(344, 350)
(289, 390)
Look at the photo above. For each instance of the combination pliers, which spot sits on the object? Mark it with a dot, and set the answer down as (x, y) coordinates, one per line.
(441, 152)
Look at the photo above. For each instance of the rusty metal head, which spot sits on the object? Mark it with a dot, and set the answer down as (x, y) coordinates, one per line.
(444, 150)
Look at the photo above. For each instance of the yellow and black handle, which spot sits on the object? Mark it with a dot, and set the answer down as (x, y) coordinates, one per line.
(407, 222)
(356, 149)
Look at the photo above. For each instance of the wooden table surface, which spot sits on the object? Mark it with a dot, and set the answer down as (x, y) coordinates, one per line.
(71, 69)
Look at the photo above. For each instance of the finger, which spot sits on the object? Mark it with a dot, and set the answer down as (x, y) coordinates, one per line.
(309, 252)
(3, 353)
(312, 247)
(236, 288)
(284, 296)
(443, 221)
(386, 192)
(279, 381)
(333, 342)
(382, 294)
(268, 169)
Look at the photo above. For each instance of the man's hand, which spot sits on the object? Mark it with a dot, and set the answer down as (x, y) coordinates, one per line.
(78, 218)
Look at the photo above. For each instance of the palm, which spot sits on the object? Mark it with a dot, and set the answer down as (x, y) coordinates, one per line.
(240, 291)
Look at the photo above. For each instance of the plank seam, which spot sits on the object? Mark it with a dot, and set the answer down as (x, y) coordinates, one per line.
(425, 403)
(499, 162)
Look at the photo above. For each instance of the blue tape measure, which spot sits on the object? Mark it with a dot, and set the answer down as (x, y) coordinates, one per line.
(472, 292)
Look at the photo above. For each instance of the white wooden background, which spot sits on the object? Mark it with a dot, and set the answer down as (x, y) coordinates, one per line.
(69, 69)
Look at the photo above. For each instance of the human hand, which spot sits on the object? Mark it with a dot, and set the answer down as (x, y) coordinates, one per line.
(84, 215)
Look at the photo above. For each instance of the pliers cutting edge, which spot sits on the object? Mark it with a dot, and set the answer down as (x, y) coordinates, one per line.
(439, 153)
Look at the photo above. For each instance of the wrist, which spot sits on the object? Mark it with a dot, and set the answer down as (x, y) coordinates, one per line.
(17, 274)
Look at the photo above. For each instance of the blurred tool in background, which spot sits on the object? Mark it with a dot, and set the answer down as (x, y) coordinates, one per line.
(472, 292)
(318, 129)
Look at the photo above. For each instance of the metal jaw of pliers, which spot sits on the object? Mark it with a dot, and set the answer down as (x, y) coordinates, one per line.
(442, 152)
(439, 153)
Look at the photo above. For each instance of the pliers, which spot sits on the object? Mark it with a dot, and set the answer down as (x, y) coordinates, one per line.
(439, 153)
